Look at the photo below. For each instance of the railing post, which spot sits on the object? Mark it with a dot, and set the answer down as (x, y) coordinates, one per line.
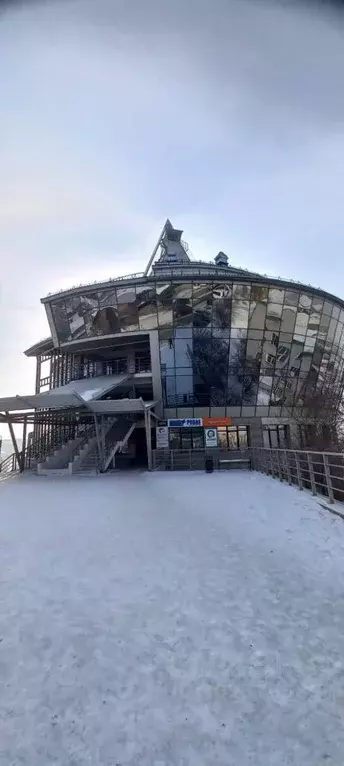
(279, 466)
(311, 473)
(298, 470)
(271, 464)
(172, 460)
(328, 478)
(286, 454)
(190, 459)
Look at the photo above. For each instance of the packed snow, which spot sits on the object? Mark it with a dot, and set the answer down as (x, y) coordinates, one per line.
(184, 619)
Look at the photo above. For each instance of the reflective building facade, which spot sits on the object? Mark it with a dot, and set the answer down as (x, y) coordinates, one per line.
(221, 341)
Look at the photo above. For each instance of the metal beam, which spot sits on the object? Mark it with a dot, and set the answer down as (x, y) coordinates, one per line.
(146, 272)
(14, 441)
(22, 467)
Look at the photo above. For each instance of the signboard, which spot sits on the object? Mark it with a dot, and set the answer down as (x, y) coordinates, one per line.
(162, 437)
(210, 437)
(217, 422)
(185, 423)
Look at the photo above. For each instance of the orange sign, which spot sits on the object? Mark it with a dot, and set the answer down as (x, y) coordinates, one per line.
(217, 422)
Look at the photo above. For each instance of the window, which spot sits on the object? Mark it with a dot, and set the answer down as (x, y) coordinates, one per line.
(276, 437)
(233, 437)
(186, 438)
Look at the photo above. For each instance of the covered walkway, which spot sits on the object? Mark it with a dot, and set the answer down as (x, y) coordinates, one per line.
(170, 619)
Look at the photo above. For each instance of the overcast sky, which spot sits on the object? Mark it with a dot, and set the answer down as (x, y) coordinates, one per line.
(224, 115)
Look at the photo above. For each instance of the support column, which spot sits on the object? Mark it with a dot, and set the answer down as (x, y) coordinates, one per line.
(156, 370)
(102, 443)
(98, 438)
(22, 467)
(148, 427)
(14, 441)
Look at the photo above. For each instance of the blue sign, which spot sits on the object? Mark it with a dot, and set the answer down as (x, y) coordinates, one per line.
(185, 423)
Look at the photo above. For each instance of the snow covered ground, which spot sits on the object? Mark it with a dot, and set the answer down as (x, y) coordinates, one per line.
(169, 620)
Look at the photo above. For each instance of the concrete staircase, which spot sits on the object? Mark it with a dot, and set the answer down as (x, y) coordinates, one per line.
(58, 462)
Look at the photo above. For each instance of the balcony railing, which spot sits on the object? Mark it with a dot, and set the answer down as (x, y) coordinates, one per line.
(143, 364)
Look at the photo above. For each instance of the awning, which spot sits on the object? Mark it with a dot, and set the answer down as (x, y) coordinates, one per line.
(120, 406)
(74, 394)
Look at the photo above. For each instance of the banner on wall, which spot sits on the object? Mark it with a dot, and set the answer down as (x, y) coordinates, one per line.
(217, 422)
(210, 437)
(162, 437)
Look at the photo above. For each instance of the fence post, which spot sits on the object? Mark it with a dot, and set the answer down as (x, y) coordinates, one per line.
(311, 474)
(298, 471)
(279, 466)
(190, 459)
(271, 464)
(286, 453)
(328, 478)
(172, 461)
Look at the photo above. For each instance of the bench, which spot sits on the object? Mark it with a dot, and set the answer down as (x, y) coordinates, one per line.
(241, 462)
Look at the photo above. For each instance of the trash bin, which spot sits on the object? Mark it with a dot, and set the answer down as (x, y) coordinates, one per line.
(209, 465)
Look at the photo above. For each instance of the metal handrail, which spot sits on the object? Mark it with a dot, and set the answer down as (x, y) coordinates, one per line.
(9, 465)
(320, 472)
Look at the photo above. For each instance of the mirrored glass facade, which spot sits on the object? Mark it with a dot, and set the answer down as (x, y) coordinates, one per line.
(222, 343)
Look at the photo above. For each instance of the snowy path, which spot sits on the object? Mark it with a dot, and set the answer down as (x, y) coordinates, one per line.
(169, 620)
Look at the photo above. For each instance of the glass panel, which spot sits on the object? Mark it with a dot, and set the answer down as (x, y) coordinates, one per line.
(183, 352)
(197, 438)
(169, 390)
(182, 304)
(127, 309)
(60, 320)
(301, 323)
(250, 389)
(174, 438)
(258, 306)
(265, 384)
(243, 437)
(305, 302)
(240, 305)
(332, 330)
(184, 388)
(254, 355)
(282, 356)
(146, 306)
(186, 438)
(232, 436)
(269, 354)
(291, 298)
(327, 308)
(105, 321)
(202, 304)
(234, 389)
(78, 306)
(222, 305)
(277, 390)
(222, 438)
(276, 295)
(273, 316)
(164, 304)
(295, 357)
(266, 437)
(317, 304)
(288, 319)
(324, 324)
(107, 298)
(273, 437)
(166, 350)
(210, 364)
